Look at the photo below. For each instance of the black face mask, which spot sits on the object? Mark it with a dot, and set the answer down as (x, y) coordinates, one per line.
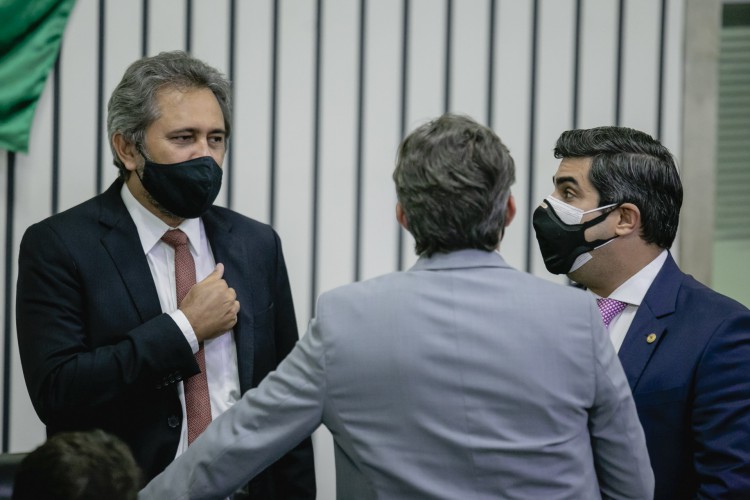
(187, 189)
(561, 243)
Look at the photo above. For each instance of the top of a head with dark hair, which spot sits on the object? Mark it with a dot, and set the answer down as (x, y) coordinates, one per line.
(78, 466)
(133, 105)
(453, 179)
(629, 166)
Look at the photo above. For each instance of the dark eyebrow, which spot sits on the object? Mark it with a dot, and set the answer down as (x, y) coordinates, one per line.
(562, 180)
(190, 130)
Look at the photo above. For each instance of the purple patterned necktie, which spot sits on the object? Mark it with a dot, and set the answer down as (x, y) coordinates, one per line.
(197, 400)
(609, 309)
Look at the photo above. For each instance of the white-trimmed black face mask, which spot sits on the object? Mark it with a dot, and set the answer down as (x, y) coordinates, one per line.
(560, 234)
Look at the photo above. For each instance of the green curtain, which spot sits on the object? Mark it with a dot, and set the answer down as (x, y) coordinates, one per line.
(30, 36)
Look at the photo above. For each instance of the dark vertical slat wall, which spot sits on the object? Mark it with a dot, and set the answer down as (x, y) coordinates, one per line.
(495, 61)
(620, 48)
(232, 74)
(8, 289)
(448, 61)
(55, 195)
(491, 63)
(404, 103)
(144, 27)
(531, 202)
(316, 156)
(188, 25)
(100, 98)
(274, 114)
(662, 62)
(576, 64)
(362, 62)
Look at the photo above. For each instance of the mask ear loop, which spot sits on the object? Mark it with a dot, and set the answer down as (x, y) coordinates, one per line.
(597, 220)
(609, 209)
(142, 151)
(600, 218)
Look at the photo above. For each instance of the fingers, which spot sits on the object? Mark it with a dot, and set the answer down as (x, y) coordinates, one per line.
(235, 308)
(211, 306)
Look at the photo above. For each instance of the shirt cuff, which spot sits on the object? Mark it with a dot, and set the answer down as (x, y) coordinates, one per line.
(187, 329)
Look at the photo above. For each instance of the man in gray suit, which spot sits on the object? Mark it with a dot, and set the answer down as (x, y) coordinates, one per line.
(459, 378)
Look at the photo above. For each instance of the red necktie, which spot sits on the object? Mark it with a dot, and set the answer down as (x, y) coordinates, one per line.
(609, 309)
(197, 401)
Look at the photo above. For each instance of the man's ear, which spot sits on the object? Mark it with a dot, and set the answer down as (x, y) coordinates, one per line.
(510, 210)
(401, 216)
(126, 151)
(628, 219)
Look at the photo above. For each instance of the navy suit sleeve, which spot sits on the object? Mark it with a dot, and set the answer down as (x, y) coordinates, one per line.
(83, 346)
(721, 411)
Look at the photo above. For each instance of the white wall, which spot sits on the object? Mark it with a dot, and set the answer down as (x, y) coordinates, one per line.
(346, 229)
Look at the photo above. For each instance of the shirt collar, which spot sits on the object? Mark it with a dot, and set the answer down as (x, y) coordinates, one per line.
(635, 288)
(151, 228)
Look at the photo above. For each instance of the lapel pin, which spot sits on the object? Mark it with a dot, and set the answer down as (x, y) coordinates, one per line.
(651, 337)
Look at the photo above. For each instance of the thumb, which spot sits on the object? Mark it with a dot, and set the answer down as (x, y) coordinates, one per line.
(218, 272)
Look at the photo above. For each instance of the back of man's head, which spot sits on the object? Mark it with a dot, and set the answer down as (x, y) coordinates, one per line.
(78, 466)
(453, 179)
(629, 166)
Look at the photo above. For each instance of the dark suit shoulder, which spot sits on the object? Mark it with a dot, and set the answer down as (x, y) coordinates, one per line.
(227, 218)
(77, 226)
(90, 211)
(693, 293)
(693, 314)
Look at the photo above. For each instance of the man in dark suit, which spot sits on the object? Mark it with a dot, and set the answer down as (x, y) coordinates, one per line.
(107, 339)
(608, 225)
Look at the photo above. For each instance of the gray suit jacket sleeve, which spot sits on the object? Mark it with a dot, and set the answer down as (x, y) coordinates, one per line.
(617, 438)
(266, 423)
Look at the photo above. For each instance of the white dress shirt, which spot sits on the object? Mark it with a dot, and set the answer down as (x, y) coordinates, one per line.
(632, 293)
(221, 352)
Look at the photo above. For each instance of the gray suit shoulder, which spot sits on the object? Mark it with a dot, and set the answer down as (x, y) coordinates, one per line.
(392, 283)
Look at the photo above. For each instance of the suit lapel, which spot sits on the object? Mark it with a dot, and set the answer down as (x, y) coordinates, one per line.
(120, 240)
(651, 322)
(230, 250)
(636, 350)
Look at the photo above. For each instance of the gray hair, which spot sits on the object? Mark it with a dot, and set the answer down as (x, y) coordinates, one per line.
(133, 106)
(453, 179)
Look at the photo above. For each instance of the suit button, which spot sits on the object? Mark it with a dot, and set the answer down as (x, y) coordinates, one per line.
(173, 421)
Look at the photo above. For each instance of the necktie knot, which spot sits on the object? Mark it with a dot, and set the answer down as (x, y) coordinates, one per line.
(183, 261)
(175, 238)
(609, 308)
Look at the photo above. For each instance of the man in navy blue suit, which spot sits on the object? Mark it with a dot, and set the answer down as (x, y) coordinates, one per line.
(147, 311)
(608, 225)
